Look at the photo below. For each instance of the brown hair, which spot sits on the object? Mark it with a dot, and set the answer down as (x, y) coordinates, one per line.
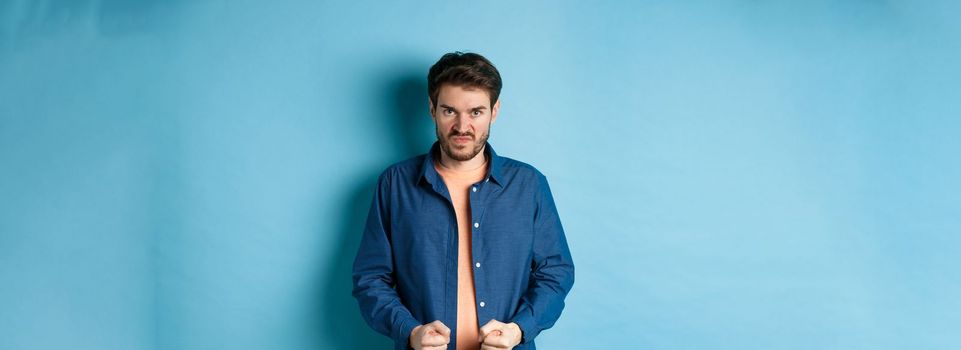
(464, 69)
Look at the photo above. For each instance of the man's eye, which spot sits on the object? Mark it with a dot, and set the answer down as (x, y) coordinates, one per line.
(448, 111)
(477, 113)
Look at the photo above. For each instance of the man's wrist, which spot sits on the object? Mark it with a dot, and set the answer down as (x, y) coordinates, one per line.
(410, 337)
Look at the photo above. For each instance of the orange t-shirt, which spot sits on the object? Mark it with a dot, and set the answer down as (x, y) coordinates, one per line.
(459, 185)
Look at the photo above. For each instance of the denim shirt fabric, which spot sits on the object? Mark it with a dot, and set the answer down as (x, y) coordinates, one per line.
(405, 271)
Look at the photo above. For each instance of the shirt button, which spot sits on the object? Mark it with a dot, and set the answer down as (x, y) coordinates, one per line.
(487, 179)
(476, 225)
(477, 264)
(482, 304)
(474, 188)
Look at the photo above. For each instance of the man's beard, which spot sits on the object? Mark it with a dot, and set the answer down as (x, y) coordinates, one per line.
(462, 154)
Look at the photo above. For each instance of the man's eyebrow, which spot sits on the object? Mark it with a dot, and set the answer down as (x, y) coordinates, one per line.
(478, 108)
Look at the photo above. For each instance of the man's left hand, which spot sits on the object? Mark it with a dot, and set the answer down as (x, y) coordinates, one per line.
(496, 335)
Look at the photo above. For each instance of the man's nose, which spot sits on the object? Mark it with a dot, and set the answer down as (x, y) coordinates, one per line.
(462, 124)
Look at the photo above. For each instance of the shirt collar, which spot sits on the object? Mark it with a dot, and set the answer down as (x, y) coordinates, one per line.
(427, 171)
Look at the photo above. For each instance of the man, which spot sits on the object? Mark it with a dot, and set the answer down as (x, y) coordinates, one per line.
(460, 236)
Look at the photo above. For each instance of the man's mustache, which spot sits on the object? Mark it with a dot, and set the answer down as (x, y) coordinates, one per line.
(455, 134)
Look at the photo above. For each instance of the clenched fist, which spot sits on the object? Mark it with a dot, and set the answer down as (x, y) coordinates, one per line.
(496, 335)
(431, 336)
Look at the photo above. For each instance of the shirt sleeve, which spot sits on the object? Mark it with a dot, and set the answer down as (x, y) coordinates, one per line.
(373, 273)
(552, 269)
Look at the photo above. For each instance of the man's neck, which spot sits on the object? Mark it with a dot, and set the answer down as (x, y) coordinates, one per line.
(472, 164)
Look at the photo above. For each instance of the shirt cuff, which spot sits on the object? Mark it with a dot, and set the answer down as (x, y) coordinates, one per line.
(404, 329)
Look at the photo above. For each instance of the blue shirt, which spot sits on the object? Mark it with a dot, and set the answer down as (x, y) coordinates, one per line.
(405, 272)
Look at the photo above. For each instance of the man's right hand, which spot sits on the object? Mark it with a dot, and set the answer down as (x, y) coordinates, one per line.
(431, 336)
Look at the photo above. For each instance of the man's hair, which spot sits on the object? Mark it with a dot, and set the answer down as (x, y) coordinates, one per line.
(465, 70)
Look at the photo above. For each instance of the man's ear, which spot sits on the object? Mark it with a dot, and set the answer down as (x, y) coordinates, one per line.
(495, 109)
(430, 107)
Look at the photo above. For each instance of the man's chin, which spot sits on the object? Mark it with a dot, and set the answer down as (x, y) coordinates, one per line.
(460, 154)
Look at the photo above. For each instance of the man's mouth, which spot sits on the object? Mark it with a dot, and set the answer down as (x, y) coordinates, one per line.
(462, 139)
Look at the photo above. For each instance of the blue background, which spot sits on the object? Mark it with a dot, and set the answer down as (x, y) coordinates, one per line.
(731, 175)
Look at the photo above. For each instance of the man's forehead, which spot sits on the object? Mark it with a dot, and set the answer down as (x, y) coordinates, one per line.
(463, 96)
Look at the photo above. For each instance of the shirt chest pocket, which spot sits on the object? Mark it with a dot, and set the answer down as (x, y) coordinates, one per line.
(511, 233)
(423, 238)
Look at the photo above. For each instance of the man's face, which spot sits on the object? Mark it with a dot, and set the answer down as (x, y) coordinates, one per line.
(463, 117)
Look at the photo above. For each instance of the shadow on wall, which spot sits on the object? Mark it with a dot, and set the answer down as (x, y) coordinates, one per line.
(410, 129)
